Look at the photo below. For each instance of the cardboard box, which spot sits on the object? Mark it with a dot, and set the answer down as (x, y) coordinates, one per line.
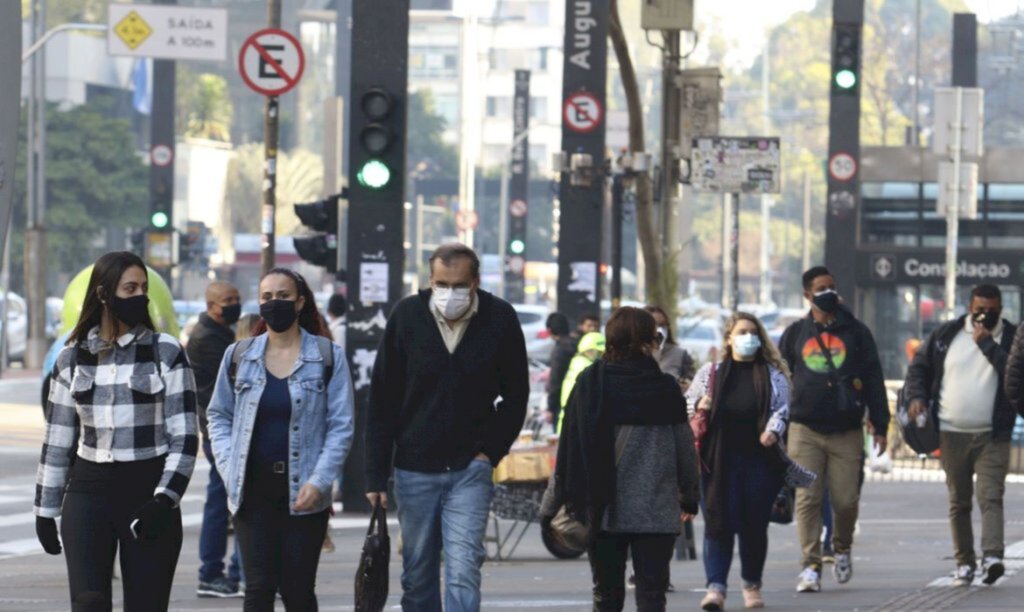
(524, 467)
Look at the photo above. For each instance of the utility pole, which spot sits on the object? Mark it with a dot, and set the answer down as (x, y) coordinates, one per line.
(805, 258)
(670, 133)
(10, 115)
(35, 230)
(161, 175)
(270, 140)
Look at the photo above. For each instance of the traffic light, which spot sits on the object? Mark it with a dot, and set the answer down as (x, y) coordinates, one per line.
(320, 248)
(846, 59)
(377, 139)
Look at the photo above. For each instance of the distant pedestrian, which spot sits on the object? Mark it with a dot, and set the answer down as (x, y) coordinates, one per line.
(672, 358)
(210, 338)
(747, 396)
(837, 376)
(337, 310)
(590, 348)
(955, 380)
(626, 465)
(561, 354)
(281, 424)
(588, 323)
(123, 405)
(448, 354)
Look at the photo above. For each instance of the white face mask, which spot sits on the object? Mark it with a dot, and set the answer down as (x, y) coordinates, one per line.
(746, 345)
(663, 337)
(452, 303)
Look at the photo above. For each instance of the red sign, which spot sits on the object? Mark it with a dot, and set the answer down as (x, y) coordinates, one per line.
(582, 112)
(466, 220)
(517, 208)
(842, 166)
(271, 62)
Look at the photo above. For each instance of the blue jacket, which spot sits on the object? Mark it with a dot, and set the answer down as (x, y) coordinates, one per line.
(321, 424)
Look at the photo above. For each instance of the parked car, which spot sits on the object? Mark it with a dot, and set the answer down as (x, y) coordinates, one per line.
(701, 337)
(16, 325)
(538, 341)
(54, 308)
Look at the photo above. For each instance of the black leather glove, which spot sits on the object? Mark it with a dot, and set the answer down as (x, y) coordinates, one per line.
(46, 531)
(154, 517)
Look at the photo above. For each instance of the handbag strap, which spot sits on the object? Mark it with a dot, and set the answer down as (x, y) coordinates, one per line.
(826, 353)
(620, 442)
(378, 519)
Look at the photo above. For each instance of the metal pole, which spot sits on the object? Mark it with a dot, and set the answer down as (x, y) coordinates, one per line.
(725, 251)
(953, 210)
(418, 252)
(734, 250)
(503, 223)
(270, 138)
(10, 107)
(669, 142)
(618, 190)
(916, 142)
(806, 260)
(766, 272)
(35, 234)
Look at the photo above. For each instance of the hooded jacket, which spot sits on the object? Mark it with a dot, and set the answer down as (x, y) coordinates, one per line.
(815, 394)
(924, 376)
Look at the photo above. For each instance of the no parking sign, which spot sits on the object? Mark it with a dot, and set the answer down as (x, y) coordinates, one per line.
(271, 62)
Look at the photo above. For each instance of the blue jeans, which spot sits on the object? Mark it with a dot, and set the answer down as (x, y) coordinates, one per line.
(751, 487)
(213, 537)
(443, 511)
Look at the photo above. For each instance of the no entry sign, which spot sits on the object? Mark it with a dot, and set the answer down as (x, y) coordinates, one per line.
(582, 112)
(271, 62)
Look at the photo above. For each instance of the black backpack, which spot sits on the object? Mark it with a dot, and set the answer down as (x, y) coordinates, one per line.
(923, 440)
(326, 353)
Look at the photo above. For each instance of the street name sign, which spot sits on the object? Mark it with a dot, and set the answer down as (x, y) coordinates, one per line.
(167, 32)
(271, 62)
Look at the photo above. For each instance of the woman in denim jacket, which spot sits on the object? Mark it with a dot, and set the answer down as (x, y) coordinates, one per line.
(279, 439)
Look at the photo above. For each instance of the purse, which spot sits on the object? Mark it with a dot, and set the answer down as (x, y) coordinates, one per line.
(846, 395)
(371, 592)
(701, 419)
(782, 507)
(571, 533)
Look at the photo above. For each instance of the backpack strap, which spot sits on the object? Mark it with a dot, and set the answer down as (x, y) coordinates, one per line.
(236, 358)
(327, 354)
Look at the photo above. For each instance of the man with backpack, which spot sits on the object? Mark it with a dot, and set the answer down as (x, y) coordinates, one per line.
(837, 375)
(955, 382)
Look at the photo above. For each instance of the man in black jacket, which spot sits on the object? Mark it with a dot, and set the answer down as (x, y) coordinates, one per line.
(210, 339)
(447, 356)
(837, 375)
(956, 379)
(561, 354)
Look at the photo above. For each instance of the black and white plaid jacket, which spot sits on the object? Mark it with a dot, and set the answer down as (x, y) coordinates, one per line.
(119, 406)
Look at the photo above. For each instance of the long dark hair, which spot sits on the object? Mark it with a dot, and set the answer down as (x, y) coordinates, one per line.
(105, 277)
(309, 317)
(627, 334)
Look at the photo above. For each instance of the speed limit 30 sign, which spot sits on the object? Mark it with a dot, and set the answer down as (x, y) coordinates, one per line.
(842, 167)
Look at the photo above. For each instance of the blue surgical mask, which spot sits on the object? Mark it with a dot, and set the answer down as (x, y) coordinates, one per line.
(746, 345)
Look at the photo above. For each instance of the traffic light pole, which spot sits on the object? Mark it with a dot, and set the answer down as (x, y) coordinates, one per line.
(35, 230)
(270, 141)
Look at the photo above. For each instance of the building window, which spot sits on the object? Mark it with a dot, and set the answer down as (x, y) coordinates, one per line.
(448, 107)
(537, 13)
(499, 106)
(539, 108)
(433, 63)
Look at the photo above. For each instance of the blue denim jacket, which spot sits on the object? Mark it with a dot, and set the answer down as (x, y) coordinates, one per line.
(322, 424)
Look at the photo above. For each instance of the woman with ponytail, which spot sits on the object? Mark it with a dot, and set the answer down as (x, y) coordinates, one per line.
(281, 426)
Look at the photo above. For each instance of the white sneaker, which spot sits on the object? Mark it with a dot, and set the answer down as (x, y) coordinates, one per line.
(992, 569)
(843, 568)
(810, 581)
(963, 576)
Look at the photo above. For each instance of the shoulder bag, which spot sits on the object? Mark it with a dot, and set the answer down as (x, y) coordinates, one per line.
(847, 396)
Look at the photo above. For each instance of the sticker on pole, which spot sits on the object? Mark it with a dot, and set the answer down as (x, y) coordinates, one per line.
(466, 220)
(161, 155)
(517, 208)
(271, 62)
(582, 112)
(842, 167)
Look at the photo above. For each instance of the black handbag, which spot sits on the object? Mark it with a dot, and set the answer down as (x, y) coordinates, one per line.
(372, 575)
(847, 392)
(782, 507)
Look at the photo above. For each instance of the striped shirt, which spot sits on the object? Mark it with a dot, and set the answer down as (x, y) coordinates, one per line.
(119, 406)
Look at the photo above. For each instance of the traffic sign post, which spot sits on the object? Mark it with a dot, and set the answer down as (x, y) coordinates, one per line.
(271, 63)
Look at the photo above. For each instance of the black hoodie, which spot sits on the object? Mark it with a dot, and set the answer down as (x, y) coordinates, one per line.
(814, 400)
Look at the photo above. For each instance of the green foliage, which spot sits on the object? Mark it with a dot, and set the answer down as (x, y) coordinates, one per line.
(95, 182)
(427, 155)
(204, 105)
(300, 178)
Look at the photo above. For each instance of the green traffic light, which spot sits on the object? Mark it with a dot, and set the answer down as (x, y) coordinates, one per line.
(846, 79)
(374, 174)
(159, 219)
(517, 247)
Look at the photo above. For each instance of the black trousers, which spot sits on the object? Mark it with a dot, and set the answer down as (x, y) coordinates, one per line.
(280, 552)
(95, 522)
(652, 554)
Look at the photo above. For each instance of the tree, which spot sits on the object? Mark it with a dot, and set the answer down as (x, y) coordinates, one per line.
(95, 183)
(300, 178)
(426, 153)
(204, 106)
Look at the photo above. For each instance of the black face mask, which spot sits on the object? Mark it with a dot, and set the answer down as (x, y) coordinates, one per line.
(279, 314)
(826, 302)
(231, 313)
(130, 311)
(988, 318)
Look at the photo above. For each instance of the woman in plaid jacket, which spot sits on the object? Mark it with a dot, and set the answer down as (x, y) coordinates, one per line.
(120, 445)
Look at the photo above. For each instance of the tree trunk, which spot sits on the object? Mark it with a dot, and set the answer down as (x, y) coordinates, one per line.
(647, 232)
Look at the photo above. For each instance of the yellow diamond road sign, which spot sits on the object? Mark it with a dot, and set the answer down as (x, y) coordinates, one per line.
(133, 30)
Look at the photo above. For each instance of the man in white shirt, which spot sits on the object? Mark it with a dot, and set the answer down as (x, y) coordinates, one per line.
(956, 378)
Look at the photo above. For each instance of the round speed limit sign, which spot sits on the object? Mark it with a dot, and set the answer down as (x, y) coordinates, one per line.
(842, 166)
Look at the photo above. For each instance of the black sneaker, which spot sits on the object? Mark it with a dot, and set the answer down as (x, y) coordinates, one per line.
(992, 569)
(220, 587)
